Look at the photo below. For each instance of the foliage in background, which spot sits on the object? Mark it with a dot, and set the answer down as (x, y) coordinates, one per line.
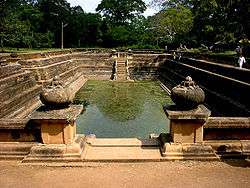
(224, 21)
(119, 23)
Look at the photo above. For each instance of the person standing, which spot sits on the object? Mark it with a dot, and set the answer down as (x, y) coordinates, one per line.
(241, 60)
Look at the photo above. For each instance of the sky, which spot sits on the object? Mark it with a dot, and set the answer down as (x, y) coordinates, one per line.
(90, 6)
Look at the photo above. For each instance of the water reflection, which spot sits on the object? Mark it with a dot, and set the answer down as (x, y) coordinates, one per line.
(122, 109)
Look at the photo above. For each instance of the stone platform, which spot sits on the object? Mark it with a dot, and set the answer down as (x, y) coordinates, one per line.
(85, 149)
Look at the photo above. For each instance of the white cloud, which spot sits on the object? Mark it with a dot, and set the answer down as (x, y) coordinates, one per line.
(90, 6)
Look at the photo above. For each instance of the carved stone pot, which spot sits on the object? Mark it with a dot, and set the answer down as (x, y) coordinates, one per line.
(187, 95)
(56, 96)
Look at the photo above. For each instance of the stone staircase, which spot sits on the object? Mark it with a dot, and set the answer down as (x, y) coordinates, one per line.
(121, 69)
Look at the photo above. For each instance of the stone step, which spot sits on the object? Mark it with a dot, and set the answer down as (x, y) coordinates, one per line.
(121, 72)
(11, 92)
(10, 69)
(121, 75)
(15, 150)
(123, 154)
(125, 142)
(10, 106)
(128, 149)
(121, 59)
(49, 71)
(15, 79)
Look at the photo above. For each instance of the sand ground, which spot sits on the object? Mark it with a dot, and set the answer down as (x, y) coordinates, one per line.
(151, 174)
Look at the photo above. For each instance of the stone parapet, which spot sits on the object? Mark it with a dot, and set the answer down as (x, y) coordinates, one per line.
(226, 70)
(227, 128)
(232, 94)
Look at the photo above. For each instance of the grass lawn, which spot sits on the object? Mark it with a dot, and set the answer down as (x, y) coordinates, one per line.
(6, 51)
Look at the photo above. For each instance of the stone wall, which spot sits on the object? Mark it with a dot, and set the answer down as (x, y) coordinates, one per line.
(224, 96)
(18, 91)
(225, 70)
(232, 93)
(21, 81)
(146, 66)
(94, 66)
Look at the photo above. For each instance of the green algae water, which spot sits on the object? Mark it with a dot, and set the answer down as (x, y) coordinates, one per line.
(122, 109)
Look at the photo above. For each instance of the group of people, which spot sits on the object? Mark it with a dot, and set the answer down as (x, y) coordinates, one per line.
(241, 59)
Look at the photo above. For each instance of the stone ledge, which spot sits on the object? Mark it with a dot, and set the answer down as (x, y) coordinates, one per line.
(230, 148)
(227, 122)
(13, 123)
(15, 150)
(172, 151)
(199, 113)
(67, 114)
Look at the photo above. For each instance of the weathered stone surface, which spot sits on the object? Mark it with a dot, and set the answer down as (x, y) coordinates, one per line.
(15, 103)
(227, 128)
(187, 95)
(198, 113)
(14, 150)
(67, 114)
(230, 148)
(228, 122)
(9, 69)
(222, 93)
(173, 151)
(57, 152)
(56, 95)
(13, 123)
(18, 87)
(58, 126)
(187, 126)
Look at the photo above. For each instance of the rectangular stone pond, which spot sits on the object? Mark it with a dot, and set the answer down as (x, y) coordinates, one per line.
(122, 109)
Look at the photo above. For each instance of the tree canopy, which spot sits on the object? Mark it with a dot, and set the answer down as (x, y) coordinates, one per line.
(118, 23)
(120, 12)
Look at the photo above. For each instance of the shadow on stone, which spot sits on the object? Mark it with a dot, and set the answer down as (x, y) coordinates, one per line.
(243, 163)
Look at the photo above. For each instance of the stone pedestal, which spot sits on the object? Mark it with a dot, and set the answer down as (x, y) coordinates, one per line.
(187, 126)
(58, 126)
(185, 141)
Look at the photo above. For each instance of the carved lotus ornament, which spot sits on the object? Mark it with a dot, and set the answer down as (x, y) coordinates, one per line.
(56, 95)
(187, 94)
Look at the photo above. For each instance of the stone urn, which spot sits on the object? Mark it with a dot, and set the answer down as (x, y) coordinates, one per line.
(55, 95)
(187, 95)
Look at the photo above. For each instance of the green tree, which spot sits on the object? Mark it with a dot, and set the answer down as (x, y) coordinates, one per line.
(120, 12)
(169, 23)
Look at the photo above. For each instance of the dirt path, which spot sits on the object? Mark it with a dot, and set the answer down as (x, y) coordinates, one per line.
(161, 174)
